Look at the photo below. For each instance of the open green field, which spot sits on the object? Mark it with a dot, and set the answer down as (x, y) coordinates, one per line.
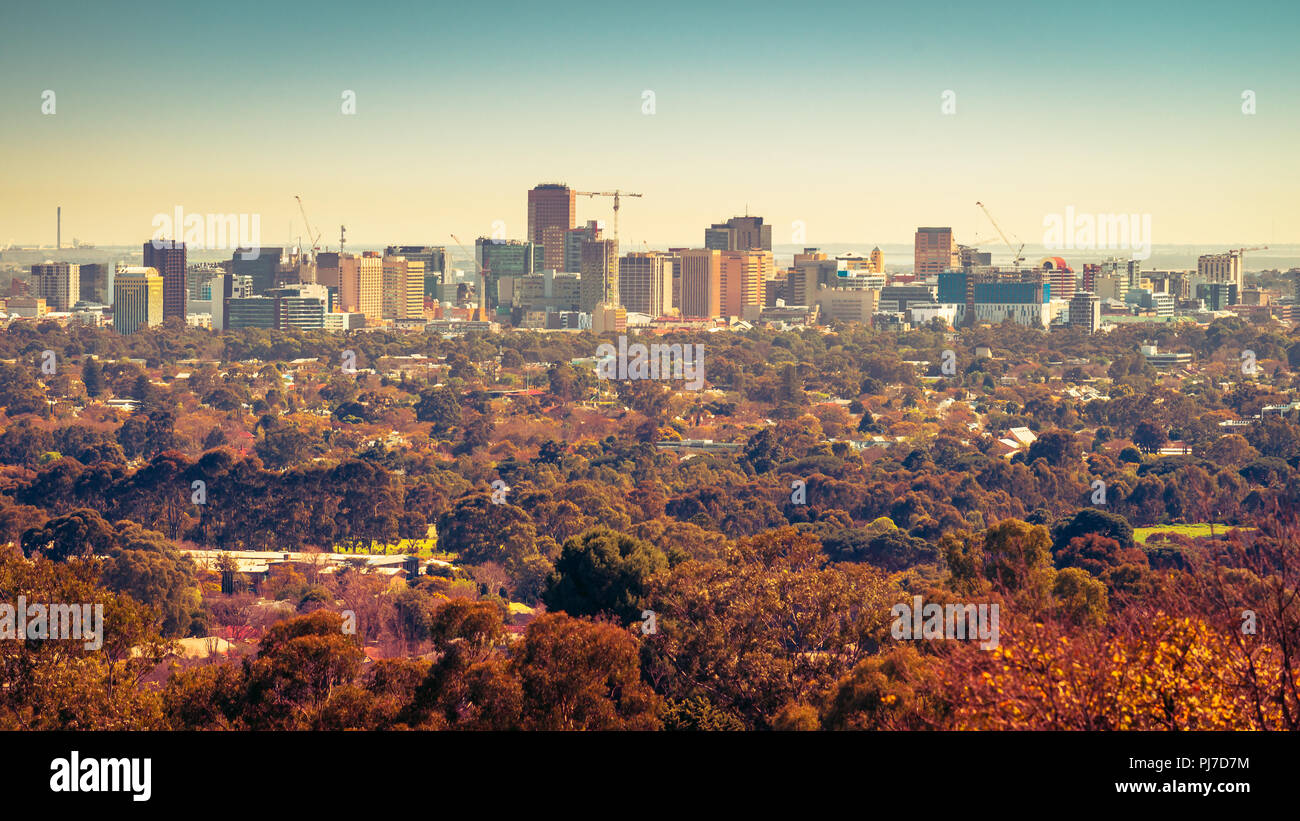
(1141, 534)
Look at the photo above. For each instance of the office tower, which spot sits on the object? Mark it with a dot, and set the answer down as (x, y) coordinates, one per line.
(94, 282)
(139, 295)
(935, 252)
(500, 259)
(1090, 272)
(1218, 296)
(250, 312)
(877, 260)
(300, 307)
(806, 277)
(599, 273)
(701, 282)
(809, 255)
(1085, 312)
(210, 298)
(403, 288)
(739, 234)
(328, 269)
(1216, 268)
(264, 268)
(434, 258)
(58, 283)
(361, 285)
(167, 258)
(550, 214)
(743, 273)
(645, 283)
(573, 239)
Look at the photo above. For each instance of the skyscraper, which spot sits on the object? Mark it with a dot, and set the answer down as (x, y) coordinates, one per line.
(573, 239)
(701, 282)
(138, 298)
(550, 213)
(500, 259)
(742, 277)
(403, 288)
(935, 252)
(58, 283)
(361, 285)
(599, 273)
(167, 258)
(739, 234)
(262, 268)
(645, 282)
(434, 258)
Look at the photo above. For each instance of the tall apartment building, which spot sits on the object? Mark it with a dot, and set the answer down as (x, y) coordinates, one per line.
(739, 234)
(573, 239)
(550, 213)
(434, 258)
(168, 259)
(935, 252)
(403, 289)
(645, 282)
(138, 298)
(1216, 268)
(361, 285)
(1085, 312)
(742, 275)
(58, 283)
(701, 282)
(599, 273)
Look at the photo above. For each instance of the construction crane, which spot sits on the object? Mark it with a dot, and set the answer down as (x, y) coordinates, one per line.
(315, 240)
(1019, 252)
(481, 271)
(615, 194)
(1244, 250)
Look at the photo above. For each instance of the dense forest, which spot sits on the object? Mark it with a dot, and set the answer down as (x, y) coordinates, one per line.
(624, 584)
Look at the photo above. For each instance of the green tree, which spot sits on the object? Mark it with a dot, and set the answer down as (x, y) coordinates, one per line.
(603, 571)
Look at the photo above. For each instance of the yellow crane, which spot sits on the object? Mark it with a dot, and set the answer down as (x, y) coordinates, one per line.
(1019, 252)
(616, 194)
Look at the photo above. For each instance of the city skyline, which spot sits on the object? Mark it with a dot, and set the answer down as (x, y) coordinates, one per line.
(1101, 113)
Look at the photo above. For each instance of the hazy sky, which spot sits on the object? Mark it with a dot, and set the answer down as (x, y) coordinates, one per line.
(829, 114)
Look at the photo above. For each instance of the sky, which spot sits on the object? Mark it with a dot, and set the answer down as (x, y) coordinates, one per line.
(824, 118)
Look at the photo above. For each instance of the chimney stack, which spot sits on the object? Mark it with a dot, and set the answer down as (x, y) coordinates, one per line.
(58, 227)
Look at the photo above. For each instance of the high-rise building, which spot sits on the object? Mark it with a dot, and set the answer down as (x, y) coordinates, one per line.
(434, 258)
(1085, 312)
(742, 275)
(599, 273)
(935, 252)
(300, 307)
(645, 282)
(94, 282)
(1216, 268)
(251, 312)
(403, 288)
(58, 283)
(505, 259)
(263, 268)
(877, 261)
(361, 285)
(168, 259)
(739, 234)
(573, 239)
(328, 269)
(701, 282)
(550, 213)
(138, 298)
(210, 298)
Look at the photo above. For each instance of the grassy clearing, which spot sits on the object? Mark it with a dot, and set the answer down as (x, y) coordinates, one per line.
(1141, 534)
